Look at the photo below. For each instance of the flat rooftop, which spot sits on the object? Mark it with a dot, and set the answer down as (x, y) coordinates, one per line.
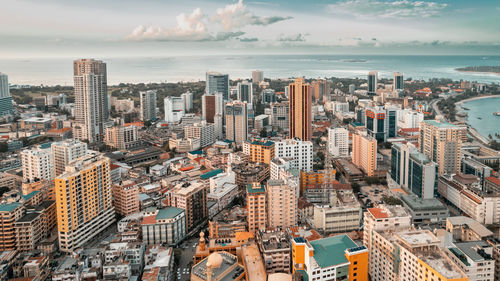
(331, 251)
(418, 204)
(253, 263)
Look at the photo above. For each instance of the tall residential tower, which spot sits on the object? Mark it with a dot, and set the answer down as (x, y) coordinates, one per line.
(300, 110)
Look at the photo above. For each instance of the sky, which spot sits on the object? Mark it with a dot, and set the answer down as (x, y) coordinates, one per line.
(60, 28)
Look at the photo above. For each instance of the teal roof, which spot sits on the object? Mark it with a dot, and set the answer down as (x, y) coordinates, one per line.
(9, 207)
(168, 213)
(210, 174)
(46, 145)
(196, 152)
(441, 124)
(30, 195)
(262, 142)
(357, 124)
(255, 190)
(331, 251)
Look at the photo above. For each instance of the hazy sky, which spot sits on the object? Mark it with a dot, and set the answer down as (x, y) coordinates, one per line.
(33, 28)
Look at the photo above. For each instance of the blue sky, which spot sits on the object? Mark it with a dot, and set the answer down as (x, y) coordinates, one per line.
(32, 28)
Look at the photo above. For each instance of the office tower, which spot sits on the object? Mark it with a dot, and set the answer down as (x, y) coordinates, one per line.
(332, 258)
(245, 92)
(121, 137)
(5, 98)
(84, 201)
(256, 206)
(65, 152)
(280, 115)
(413, 255)
(174, 109)
(188, 101)
(381, 123)
(320, 89)
(236, 122)
(442, 143)
(211, 105)
(413, 170)
(217, 83)
(398, 82)
(126, 198)
(91, 99)
(219, 127)
(281, 204)
(268, 96)
(260, 151)
(372, 82)
(37, 164)
(300, 151)
(9, 214)
(203, 131)
(338, 142)
(300, 110)
(192, 198)
(364, 153)
(148, 105)
(257, 76)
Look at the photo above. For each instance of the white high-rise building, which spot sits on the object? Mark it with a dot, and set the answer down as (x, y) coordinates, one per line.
(245, 92)
(257, 76)
(65, 152)
(300, 151)
(37, 164)
(5, 98)
(174, 109)
(148, 105)
(409, 118)
(338, 142)
(91, 99)
(188, 100)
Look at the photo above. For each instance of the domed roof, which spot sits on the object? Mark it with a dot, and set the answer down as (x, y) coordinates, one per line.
(214, 260)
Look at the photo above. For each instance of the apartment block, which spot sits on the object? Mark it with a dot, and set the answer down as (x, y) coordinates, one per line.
(203, 131)
(338, 142)
(281, 204)
(364, 153)
(65, 152)
(259, 150)
(342, 214)
(301, 151)
(276, 250)
(192, 198)
(126, 198)
(300, 110)
(9, 214)
(256, 205)
(37, 164)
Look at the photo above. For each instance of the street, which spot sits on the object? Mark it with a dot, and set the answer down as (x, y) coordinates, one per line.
(188, 249)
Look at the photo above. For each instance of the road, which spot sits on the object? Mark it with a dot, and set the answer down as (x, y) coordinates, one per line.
(186, 261)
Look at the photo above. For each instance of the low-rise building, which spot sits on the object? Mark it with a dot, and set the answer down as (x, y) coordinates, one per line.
(474, 258)
(425, 211)
(248, 173)
(343, 214)
(275, 249)
(164, 226)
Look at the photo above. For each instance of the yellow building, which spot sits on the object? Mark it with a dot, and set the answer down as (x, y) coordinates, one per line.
(260, 151)
(84, 201)
(332, 258)
(256, 205)
(364, 152)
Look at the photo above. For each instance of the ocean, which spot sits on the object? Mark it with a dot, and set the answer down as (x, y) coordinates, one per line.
(58, 71)
(480, 115)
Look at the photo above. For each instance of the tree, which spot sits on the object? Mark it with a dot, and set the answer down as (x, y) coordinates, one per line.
(4, 147)
(389, 200)
(263, 133)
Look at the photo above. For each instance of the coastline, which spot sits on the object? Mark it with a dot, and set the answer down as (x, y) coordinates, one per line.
(477, 98)
(472, 71)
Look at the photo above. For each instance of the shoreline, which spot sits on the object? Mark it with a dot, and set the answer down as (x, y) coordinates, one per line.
(472, 71)
(477, 98)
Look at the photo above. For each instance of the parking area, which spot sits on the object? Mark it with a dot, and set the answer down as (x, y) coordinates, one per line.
(188, 248)
(373, 194)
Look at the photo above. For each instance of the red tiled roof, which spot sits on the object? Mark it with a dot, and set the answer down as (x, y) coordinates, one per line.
(137, 124)
(113, 166)
(149, 220)
(378, 213)
(55, 131)
(494, 180)
(183, 169)
(472, 197)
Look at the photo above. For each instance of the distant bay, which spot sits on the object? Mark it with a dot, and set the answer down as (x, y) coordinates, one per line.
(58, 71)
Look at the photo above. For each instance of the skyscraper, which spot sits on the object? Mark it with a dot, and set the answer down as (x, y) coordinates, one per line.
(381, 123)
(280, 115)
(245, 92)
(84, 201)
(5, 98)
(257, 76)
(65, 152)
(237, 122)
(91, 99)
(211, 104)
(397, 84)
(300, 110)
(320, 89)
(364, 153)
(217, 83)
(372, 82)
(148, 105)
(188, 100)
(442, 143)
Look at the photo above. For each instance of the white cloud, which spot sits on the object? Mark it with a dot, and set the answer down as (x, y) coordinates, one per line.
(297, 37)
(236, 16)
(387, 9)
(189, 28)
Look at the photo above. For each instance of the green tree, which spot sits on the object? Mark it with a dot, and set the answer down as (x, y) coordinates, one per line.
(4, 147)
(263, 133)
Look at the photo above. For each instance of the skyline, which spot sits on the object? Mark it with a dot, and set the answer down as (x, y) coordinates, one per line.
(165, 28)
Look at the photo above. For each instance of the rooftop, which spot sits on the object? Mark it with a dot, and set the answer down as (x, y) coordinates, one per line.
(210, 174)
(9, 207)
(440, 124)
(473, 250)
(168, 213)
(416, 203)
(331, 251)
(256, 188)
(388, 211)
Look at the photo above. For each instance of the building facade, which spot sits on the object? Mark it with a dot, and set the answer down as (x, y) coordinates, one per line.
(5, 98)
(338, 142)
(203, 131)
(37, 164)
(364, 153)
(217, 83)
(299, 150)
(65, 152)
(164, 226)
(256, 205)
(259, 150)
(300, 110)
(281, 204)
(236, 122)
(148, 105)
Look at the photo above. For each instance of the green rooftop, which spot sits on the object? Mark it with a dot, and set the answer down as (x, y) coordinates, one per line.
(210, 174)
(168, 213)
(251, 189)
(331, 251)
(30, 195)
(9, 207)
(441, 124)
(262, 142)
